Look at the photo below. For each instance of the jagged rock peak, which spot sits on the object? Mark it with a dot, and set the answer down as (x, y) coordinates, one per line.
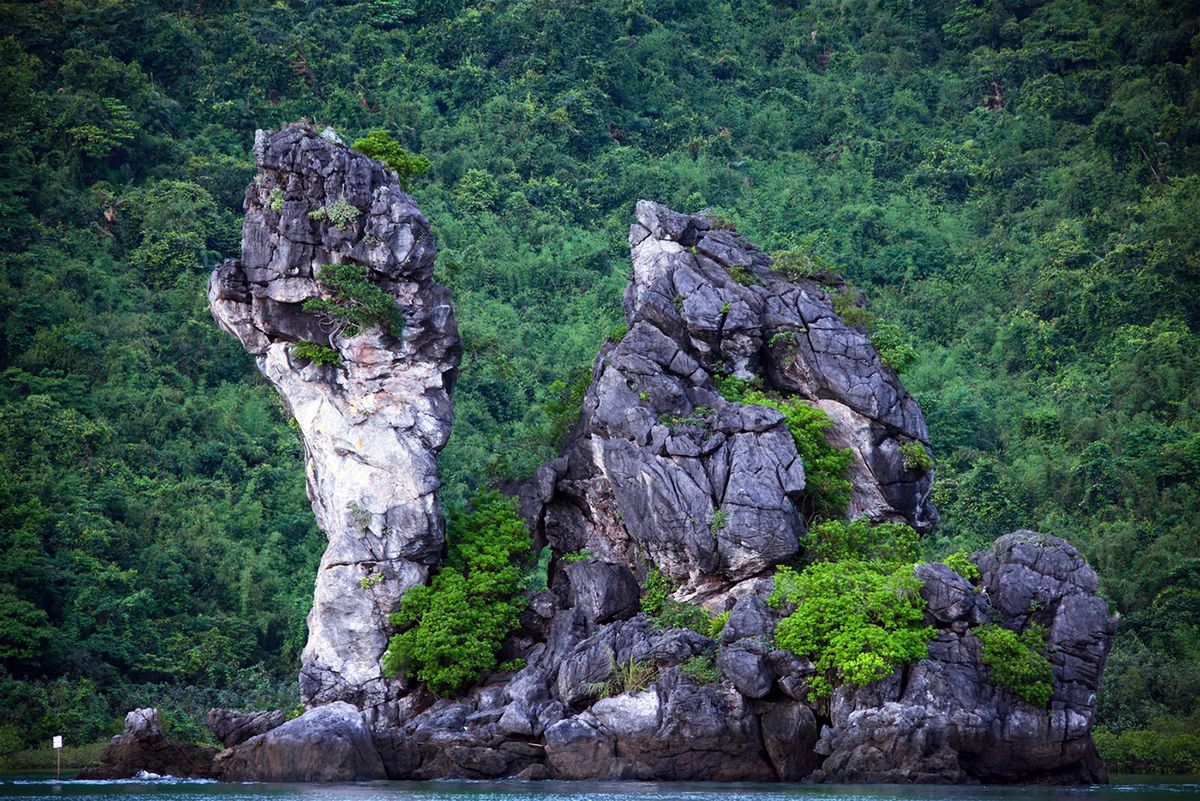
(374, 421)
(662, 466)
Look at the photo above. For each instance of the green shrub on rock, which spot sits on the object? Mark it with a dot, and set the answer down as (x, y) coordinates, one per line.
(960, 562)
(382, 146)
(857, 620)
(454, 626)
(1017, 661)
(354, 303)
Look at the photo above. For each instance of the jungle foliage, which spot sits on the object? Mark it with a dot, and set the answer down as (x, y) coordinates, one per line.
(1014, 183)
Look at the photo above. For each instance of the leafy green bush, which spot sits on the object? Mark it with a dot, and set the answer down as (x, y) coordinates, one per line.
(626, 677)
(858, 621)
(314, 352)
(1017, 661)
(355, 302)
(825, 466)
(892, 345)
(454, 626)
(960, 562)
(1167, 746)
(803, 261)
(582, 555)
(702, 669)
(745, 275)
(382, 146)
(667, 613)
(859, 539)
(340, 213)
(916, 457)
(656, 590)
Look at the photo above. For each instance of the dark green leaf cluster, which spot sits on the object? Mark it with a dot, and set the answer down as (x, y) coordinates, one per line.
(382, 146)
(1017, 661)
(354, 303)
(455, 625)
(314, 352)
(1167, 745)
(859, 539)
(702, 669)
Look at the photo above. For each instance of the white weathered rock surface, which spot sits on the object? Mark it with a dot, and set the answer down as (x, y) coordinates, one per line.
(373, 424)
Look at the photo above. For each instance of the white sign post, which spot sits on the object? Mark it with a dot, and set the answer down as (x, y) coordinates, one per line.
(57, 742)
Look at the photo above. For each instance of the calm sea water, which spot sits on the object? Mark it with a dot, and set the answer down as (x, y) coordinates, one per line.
(1124, 788)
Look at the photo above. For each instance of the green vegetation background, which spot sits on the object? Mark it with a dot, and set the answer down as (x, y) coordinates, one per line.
(1015, 183)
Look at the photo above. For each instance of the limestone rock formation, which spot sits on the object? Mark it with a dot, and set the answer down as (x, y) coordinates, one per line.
(662, 467)
(661, 473)
(374, 422)
(943, 720)
(142, 746)
(657, 453)
(234, 728)
(331, 743)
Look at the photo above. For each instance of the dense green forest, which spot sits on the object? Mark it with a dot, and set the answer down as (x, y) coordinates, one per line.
(1015, 184)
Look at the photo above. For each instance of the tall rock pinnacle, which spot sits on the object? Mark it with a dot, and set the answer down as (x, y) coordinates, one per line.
(373, 421)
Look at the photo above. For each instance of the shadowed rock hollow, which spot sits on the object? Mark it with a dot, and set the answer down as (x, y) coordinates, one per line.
(372, 424)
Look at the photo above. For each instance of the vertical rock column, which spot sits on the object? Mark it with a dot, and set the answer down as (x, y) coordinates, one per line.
(372, 423)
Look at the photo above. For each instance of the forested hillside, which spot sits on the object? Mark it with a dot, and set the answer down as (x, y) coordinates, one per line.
(1015, 185)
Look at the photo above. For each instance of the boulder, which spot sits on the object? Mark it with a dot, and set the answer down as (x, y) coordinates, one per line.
(142, 746)
(576, 748)
(789, 732)
(662, 466)
(744, 664)
(330, 743)
(603, 590)
(234, 728)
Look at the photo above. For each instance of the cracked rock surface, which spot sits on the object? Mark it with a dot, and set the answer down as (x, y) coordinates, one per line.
(373, 423)
(710, 491)
(662, 472)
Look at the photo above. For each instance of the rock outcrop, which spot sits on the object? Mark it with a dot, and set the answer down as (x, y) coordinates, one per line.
(142, 746)
(661, 466)
(659, 456)
(943, 720)
(372, 423)
(662, 473)
(234, 728)
(331, 743)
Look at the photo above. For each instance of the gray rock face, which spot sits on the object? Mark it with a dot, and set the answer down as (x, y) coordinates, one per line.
(605, 591)
(373, 424)
(142, 746)
(712, 491)
(233, 728)
(942, 720)
(330, 743)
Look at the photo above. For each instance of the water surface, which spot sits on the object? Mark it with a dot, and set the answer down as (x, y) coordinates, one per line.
(1123, 788)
